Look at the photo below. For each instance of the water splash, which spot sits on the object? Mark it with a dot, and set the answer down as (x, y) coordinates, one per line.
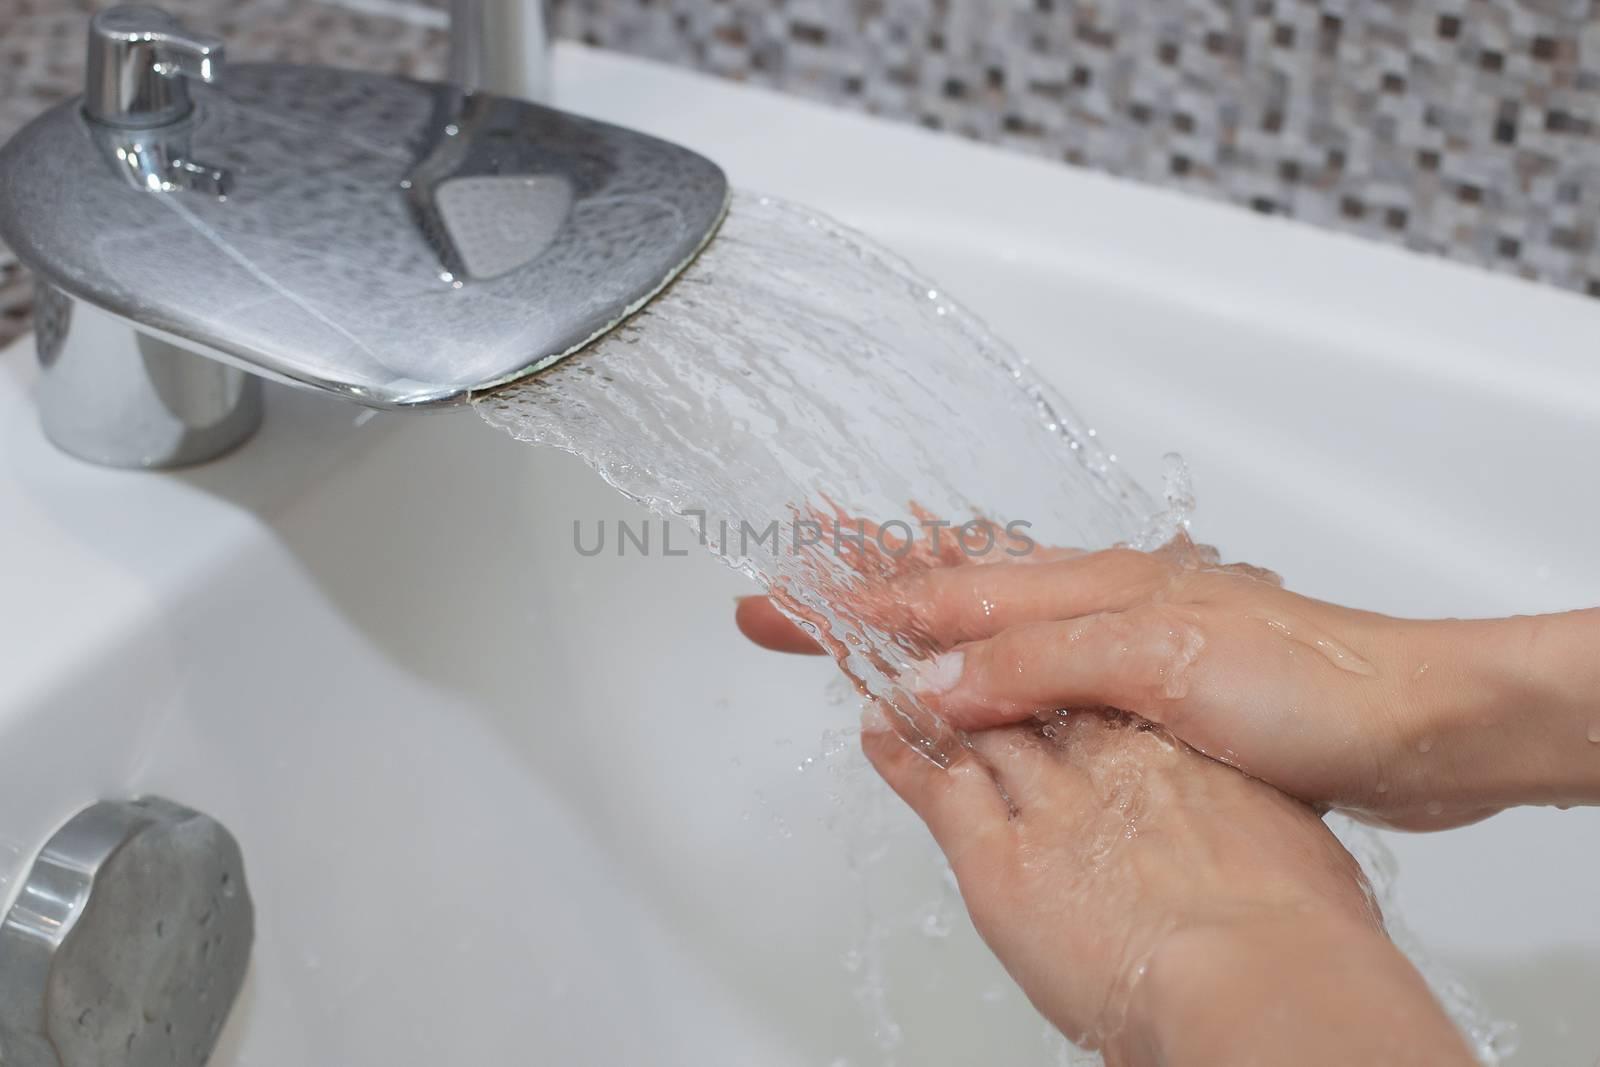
(1491, 1040)
(1171, 522)
(799, 378)
(827, 421)
(797, 374)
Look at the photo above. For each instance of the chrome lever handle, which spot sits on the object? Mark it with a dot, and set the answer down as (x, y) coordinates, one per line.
(140, 60)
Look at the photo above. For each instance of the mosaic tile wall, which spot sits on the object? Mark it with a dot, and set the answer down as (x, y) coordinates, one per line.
(1468, 128)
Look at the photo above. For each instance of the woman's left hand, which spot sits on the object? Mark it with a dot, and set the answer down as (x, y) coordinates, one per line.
(1163, 907)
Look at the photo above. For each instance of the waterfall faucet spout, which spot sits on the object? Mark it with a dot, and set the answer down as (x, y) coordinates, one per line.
(194, 225)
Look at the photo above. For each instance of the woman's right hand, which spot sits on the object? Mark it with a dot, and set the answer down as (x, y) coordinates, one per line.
(1421, 725)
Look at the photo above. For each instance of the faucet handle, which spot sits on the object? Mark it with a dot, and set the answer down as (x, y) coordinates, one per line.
(139, 61)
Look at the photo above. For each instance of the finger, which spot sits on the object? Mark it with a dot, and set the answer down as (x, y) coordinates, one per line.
(961, 804)
(947, 606)
(759, 619)
(1135, 660)
(1028, 768)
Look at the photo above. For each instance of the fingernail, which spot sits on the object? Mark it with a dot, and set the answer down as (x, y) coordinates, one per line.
(937, 675)
(873, 720)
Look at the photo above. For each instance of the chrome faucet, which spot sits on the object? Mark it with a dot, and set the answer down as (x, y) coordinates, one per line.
(501, 46)
(195, 226)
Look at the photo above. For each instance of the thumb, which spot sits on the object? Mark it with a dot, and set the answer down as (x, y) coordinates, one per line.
(1137, 661)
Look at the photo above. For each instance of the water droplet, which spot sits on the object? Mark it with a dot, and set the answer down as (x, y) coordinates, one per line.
(1435, 807)
(936, 924)
(1425, 746)
(1503, 1040)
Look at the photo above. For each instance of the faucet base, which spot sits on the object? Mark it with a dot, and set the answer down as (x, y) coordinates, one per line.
(113, 396)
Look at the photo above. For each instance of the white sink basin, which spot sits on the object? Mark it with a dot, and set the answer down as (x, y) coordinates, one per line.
(502, 803)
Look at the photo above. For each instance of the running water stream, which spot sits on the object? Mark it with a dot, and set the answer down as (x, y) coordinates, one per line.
(796, 381)
(823, 418)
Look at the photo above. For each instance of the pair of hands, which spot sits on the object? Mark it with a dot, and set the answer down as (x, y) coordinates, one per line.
(1115, 870)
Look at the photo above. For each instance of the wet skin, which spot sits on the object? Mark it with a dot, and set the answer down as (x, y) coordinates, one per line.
(1156, 903)
(1408, 723)
(1163, 908)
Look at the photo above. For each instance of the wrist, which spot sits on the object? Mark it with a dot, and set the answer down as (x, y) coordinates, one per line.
(1501, 714)
(1267, 991)
(1195, 985)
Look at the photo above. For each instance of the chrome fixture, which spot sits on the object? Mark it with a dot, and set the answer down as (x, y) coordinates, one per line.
(128, 942)
(139, 62)
(402, 244)
(501, 46)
